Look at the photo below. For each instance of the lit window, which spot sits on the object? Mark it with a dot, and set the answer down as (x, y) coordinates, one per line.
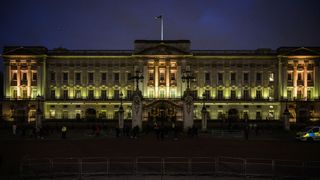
(173, 93)
(78, 94)
(150, 94)
(271, 77)
(14, 76)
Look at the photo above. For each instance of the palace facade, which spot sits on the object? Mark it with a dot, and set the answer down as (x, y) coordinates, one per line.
(93, 84)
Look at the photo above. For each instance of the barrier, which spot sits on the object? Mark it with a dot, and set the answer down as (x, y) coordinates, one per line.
(88, 166)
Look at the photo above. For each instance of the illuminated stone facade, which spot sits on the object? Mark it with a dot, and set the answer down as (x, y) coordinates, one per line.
(86, 84)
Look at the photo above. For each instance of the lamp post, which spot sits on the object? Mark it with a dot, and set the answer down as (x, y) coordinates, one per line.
(39, 113)
(137, 77)
(204, 113)
(187, 76)
(121, 111)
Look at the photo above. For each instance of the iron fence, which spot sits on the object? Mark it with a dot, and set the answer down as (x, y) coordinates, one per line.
(88, 166)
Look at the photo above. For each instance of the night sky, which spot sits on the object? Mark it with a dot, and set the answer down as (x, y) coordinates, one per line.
(115, 24)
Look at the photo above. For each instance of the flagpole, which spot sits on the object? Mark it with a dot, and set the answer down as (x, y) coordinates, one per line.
(161, 28)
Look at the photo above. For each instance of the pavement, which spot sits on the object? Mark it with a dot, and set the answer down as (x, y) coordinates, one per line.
(81, 134)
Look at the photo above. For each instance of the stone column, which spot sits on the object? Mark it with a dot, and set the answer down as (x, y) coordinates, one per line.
(187, 111)
(305, 79)
(204, 121)
(315, 80)
(295, 79)
(137, 109)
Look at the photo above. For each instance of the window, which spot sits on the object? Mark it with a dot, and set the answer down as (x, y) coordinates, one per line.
(65, 115)
(246, 94)
(259, 77)
(161, 93)
(129, 94)
(233, 76)
(258, 115)
(150, 94)
(24, 93)
(233, 94)
(220, 77)
(271, 77)
(207, 94)
(104, 77)
(78, 76)
(173, 76)
(34, 93)
(116, 94)
(65, 76)
(24, 76)
(161, 76)
(15, 94)
(220, 94)
(207, 77)
(258, 94)
(14, 76)
(91, 94)
(299, 76)
(129, 75)
(309, 94)
(151, 76)
(53, 76)
(90, 77)
(52, 114)
(173, 94)
(65, 94)
(78, 94)
(289, 94)
(34, 76)
(53, 94)
(289, 76)
(116, 77)
(299, 94)
(103, 94)
(309, 76)
(246, 77)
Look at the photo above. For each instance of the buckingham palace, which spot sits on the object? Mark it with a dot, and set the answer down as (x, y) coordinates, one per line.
(161, 80)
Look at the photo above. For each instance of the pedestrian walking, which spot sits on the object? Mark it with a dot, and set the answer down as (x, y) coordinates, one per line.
(64, 132)
(14, 128)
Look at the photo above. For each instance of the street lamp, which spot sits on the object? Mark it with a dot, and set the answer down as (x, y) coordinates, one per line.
(187, 77)
(204, 98)
(137, 77)
(121, 107)
(39, 113)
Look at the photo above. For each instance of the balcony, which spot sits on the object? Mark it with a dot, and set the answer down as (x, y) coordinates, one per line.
(173, 83)
(24, 82)
(310, 83)
(300, 83)
(220, 83)
(13, 83)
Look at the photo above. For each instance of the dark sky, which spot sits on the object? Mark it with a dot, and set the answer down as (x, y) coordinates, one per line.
(115, 24)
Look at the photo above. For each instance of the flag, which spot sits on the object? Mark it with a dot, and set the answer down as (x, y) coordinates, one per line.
(158, 17)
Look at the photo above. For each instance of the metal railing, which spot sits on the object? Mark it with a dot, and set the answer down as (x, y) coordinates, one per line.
(53, 167)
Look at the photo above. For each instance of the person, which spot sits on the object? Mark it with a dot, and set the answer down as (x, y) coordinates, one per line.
(156, 129)
(14, 128)
(97, 131)
(175, 133)
(64, 132)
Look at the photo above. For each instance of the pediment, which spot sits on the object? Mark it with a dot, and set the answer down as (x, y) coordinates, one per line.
(302, 51)
(21, 50)
(162, 49)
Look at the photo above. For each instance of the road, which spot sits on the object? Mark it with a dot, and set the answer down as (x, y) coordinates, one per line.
(13, 150)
